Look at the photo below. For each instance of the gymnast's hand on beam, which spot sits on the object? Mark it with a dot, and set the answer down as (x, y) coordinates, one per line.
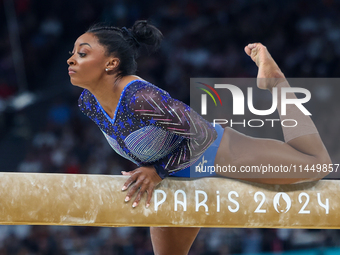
(143, 178)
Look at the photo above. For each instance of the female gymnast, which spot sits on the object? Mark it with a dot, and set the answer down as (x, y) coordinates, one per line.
(162, 135)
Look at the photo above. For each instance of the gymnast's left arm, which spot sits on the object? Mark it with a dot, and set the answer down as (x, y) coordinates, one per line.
(186, 134)
(182, 135)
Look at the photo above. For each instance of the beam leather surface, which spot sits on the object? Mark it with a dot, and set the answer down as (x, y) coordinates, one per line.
(97, 200)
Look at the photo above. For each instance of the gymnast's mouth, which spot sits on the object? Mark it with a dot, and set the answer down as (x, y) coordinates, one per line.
(71, 71)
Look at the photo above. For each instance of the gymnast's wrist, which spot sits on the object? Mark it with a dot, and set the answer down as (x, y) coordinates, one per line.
(162, 172)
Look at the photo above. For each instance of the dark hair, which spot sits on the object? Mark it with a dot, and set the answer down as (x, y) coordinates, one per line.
(124, 43)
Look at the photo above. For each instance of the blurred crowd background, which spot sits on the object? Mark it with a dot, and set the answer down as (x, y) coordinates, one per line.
(42, 129)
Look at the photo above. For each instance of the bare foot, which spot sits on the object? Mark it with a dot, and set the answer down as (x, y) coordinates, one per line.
(269, 74)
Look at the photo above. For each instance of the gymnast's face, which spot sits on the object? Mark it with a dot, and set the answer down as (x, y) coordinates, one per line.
(88, 62)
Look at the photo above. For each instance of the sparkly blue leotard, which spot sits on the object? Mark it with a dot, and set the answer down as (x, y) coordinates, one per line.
(151, 128)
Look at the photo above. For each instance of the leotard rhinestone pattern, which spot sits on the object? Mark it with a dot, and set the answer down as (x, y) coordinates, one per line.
(151, 128)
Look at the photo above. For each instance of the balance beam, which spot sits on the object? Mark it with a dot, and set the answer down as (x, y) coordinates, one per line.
(97, 200)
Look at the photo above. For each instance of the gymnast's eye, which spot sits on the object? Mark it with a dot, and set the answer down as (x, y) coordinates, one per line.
(81, 54)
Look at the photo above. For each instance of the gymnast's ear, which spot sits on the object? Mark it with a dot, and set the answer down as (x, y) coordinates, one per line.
(113, 64)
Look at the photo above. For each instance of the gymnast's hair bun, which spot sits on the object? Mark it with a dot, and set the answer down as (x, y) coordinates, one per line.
(147, 34)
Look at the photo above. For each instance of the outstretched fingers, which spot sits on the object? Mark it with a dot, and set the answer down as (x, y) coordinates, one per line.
(144, 186)
(150, 192)
(142, 189)
(138, 183)
(131, 180)
(141, 180)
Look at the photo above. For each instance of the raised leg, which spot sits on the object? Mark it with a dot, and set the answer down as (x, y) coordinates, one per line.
(172, 240)
(303, 145)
